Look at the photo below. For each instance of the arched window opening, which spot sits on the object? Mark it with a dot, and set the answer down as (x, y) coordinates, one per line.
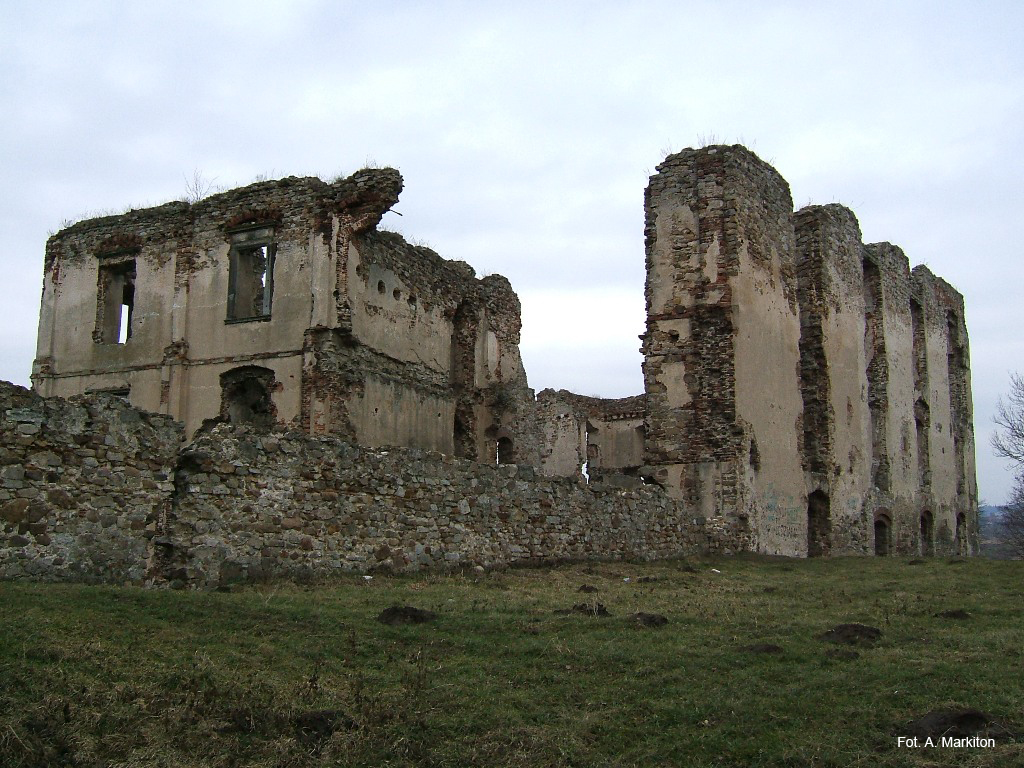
(245, 396)
(505, 451)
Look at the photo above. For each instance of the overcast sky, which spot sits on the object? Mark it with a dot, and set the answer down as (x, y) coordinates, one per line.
(526, 133)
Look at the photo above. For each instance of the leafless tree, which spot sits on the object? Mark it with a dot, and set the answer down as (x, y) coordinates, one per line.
(1010, 416)
(198, 187)
(1013, 518)
(1009, 443)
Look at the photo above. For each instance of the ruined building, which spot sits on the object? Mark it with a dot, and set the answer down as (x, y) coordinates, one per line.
(281, 304)
(805, 393)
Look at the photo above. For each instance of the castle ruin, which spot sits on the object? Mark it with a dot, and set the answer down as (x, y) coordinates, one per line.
(325, 395)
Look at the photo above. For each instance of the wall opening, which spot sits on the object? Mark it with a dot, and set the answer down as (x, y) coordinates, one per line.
(116, 302)
(506, 451)
(460, 438)
(819, 525)
(251, 275)
(815, 391)
(922, 415)
(927, 534)
(246, 397)
(883, 535)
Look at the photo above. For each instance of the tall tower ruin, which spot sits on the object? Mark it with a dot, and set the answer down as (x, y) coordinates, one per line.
(808, 393)
(721, 351)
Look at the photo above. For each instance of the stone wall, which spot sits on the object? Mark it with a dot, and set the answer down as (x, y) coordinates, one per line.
(92, 489)
(83, 486)
(249, 506)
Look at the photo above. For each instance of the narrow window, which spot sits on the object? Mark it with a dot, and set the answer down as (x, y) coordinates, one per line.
(505, 453)
(251, 275)
(115, 301)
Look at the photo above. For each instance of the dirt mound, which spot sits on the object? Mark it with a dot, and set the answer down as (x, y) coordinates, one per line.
(649, 619)
(405, 614)
(852, 634)
(646, 579)
(958, 613)
(762, 648)
(597, 609)
(958, 723)
(587, 588)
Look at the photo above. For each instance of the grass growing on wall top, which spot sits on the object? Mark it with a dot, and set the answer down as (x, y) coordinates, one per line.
(287, 676)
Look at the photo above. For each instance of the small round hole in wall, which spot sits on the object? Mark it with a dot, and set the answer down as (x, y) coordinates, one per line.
(412, 300)
(397, 294)
(380, 286)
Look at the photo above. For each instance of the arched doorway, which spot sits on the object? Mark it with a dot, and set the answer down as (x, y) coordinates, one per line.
(883, 534)
(819, 525)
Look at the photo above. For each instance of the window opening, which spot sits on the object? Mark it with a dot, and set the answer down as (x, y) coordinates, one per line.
(116, 302)
(251, 275)
(246, 396)
(505, 452)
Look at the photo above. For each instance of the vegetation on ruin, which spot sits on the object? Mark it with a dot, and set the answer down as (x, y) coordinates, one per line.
(280, 675)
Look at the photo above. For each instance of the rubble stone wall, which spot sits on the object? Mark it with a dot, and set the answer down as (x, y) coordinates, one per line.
(248, 506)
(84, 484)
(94, 490)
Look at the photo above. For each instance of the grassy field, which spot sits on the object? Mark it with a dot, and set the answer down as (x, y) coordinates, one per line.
(280, 675)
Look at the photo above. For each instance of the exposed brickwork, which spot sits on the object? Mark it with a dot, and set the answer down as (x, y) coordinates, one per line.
(722, 308)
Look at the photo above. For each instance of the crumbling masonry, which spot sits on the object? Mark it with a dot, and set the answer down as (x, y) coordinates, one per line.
(309, 392)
